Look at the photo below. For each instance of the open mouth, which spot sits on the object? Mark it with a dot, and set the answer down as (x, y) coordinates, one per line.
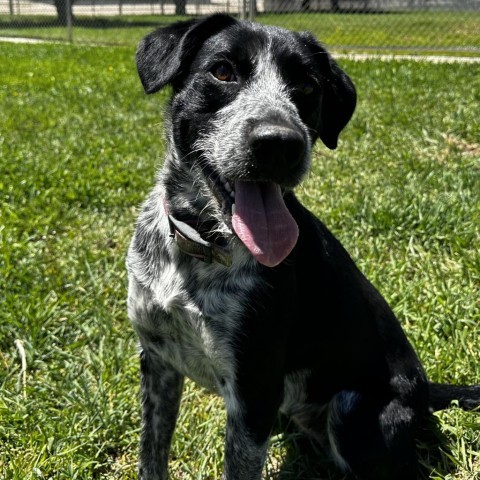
(259, 217)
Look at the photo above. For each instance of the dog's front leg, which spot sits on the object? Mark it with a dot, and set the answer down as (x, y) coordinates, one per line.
(161, 388)
(250, 419)
(244, 454)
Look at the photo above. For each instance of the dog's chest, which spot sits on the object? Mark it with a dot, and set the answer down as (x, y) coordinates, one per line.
(190, 319)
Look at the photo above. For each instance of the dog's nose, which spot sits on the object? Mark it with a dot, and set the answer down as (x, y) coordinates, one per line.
(276, 148)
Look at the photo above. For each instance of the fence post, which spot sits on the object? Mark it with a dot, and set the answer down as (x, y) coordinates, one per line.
(69, 21)
(252, 10)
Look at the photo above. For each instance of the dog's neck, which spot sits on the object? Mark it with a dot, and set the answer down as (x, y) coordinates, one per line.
(191, 242)
(196, 225)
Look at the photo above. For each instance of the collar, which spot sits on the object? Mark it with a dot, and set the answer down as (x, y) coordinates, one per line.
(190, 242)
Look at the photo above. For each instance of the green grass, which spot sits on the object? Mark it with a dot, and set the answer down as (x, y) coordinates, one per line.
(414, 31)
(417, 32)
(125, 30)
(79, 145)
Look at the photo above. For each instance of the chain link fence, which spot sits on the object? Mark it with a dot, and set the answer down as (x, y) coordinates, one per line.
(442, 26)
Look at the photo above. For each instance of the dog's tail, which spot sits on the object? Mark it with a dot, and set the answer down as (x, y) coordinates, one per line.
(442, 394)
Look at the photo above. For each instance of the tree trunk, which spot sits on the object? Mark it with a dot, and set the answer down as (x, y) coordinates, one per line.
(180, 7)
(62, 11)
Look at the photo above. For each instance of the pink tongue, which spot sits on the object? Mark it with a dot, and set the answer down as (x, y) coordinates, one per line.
(263, 223)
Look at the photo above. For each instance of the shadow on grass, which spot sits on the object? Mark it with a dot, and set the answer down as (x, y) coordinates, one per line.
(304, 459)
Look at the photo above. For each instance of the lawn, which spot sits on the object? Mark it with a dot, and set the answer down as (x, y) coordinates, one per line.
(79, 145)
(415, 32)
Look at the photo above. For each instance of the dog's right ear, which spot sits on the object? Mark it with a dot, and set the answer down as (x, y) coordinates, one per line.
(163, 57)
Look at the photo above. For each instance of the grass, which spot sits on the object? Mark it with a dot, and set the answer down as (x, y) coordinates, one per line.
(79, 145)
(416, 32)
(125, 30)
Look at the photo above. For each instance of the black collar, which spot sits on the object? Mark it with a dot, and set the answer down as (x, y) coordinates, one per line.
(190, 242)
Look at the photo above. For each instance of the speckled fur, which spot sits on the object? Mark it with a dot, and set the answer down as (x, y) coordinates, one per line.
(311, 337)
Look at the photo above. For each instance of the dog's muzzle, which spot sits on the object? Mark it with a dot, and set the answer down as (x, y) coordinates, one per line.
(278, 151)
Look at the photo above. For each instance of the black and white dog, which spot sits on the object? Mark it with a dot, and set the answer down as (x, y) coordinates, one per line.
(235, 284)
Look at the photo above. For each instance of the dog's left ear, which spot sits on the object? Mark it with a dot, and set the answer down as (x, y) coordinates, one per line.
(163, 57)
(339, 98)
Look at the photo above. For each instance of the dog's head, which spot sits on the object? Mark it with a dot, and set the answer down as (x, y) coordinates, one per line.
(248, 103)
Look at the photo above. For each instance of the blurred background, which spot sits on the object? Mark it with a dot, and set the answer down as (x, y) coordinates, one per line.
(413, 26)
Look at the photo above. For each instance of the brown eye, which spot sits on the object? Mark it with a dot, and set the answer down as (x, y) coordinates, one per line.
(223, 72)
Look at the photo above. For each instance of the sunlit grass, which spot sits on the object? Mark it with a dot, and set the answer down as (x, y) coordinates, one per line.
(79, 145)
(413, 32)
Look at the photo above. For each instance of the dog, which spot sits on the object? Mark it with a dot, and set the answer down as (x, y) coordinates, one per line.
(235, 284)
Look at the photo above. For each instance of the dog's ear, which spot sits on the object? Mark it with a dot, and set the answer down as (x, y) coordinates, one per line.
(339, 98)
(338, 105)
(164, 56)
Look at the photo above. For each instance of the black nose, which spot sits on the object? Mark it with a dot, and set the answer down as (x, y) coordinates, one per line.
(277, 150)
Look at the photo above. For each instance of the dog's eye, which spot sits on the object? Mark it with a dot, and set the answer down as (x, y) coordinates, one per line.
(223, 72)
(307, 87)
